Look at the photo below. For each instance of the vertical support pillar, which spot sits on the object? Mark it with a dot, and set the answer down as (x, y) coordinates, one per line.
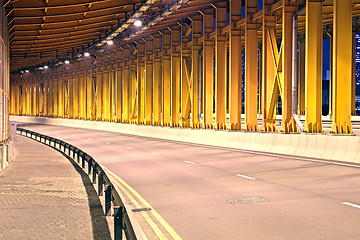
(288, 123)
(46, 95)
(195, 84)
(342, 55)
(99, 88)
(112, 85)
(140, 81)
(106, 87)
(148, 81)
(166, 78)
(251, 67)
(61, 92)
(56, 93)
(220, 67)
(133, 85)
(313, 67)
(186, 75)
(208, 74)
(175, 76)
(88, 86)
(125, 84)
(118, 86)
(51, 95)
(157, 77)
(235, 67)
(82, 90)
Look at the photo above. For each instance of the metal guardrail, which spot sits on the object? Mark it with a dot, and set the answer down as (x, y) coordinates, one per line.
(124, 220)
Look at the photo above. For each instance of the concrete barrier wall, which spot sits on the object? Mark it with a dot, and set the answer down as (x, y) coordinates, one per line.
(320, 146)
(6, 154)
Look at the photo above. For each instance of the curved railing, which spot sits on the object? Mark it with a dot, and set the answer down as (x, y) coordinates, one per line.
(124, 220)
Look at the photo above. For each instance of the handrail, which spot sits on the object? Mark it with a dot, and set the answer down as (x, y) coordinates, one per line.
(124, 220)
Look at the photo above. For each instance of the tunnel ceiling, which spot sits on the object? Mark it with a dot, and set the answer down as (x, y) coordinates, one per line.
(42, 31)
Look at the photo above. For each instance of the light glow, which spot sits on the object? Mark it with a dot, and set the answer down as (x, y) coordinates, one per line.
(86, 54)
(137, 23)
(67, 62)
(110, 42)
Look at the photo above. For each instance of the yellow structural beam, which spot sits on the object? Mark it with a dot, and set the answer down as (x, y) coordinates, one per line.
(342, 58)
(175, 76)
(208, 73)
(140, 74)
(220, 67)
(235, 67)
(186, 75)
(61, 100)
(313, 67)
(288, 124)
(99, 89)
(251, 67)
(75, 91)
(148, 81)
(106, 87)
(133, 85)
(126, 84)
(166, 78)
(56, 93)
(353, 77)
(118, 87)
(157, 79)
(195, 84)
(82, 90)
(269, 67)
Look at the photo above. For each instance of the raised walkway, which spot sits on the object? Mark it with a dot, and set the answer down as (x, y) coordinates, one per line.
(44, 196)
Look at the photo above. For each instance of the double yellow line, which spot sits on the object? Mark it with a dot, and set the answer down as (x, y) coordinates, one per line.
(130, 193)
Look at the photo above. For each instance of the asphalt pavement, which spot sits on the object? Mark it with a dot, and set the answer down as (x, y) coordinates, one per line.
(215, 193)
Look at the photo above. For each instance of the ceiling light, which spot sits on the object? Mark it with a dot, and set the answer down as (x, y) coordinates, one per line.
(67, 61)
(27, 71)
(137, 23)
(86, 54)
(46, 67)
(110, 42)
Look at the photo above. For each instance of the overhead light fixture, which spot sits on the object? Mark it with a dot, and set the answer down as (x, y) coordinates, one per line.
(137, 23)
(22, 71)
(110, 42)
(27, 71)
(67, 61)
(46, 67)
(86, 54)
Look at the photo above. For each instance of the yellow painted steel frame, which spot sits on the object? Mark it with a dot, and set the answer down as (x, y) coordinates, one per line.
(220, 67)
(342, 56)
(235, 67)
(313, 67)
(106, 88)
(193, 78)
(118, 87)
(157, 78)
(126, 84)
(301, 78)
(208, 74)
(186, 75)
(140, 74)
(251, 67)
(166, 78)
(148, 81)
(175, 76)
(133, 85)
(82, 90)
(99, 90)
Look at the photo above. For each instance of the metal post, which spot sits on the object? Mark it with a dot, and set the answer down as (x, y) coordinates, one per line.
(118, 223)
(107, 200)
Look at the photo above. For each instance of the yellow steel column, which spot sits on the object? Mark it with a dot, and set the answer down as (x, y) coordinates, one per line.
(175, 76)
(251, 67)
(89, 87)
(288, 123)
(61, 92)
(112, 85)
(82, 89)
(67, 78)
(220, 67)
(118, 86)
(106, 88)
(195, 94)
(56, 92)
(157, 77)
(51, 94)
(76, 90)
(99, 87)
(166, 78)
(70, 93)
(126, 84)
(186, 75)
(353, 77)
(148, 80)
(313, 68)
(342, 46)
(268, 68)
(301, 78)
(133, 85)
(208, 73)
(235, 67)
(46, 95)
(140, 81)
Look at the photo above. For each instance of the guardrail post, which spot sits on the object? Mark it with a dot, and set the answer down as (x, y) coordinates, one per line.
(100, 184)
(107, 200)
(89, 166)
(94, 171)
(118, 223)
(82, 161)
